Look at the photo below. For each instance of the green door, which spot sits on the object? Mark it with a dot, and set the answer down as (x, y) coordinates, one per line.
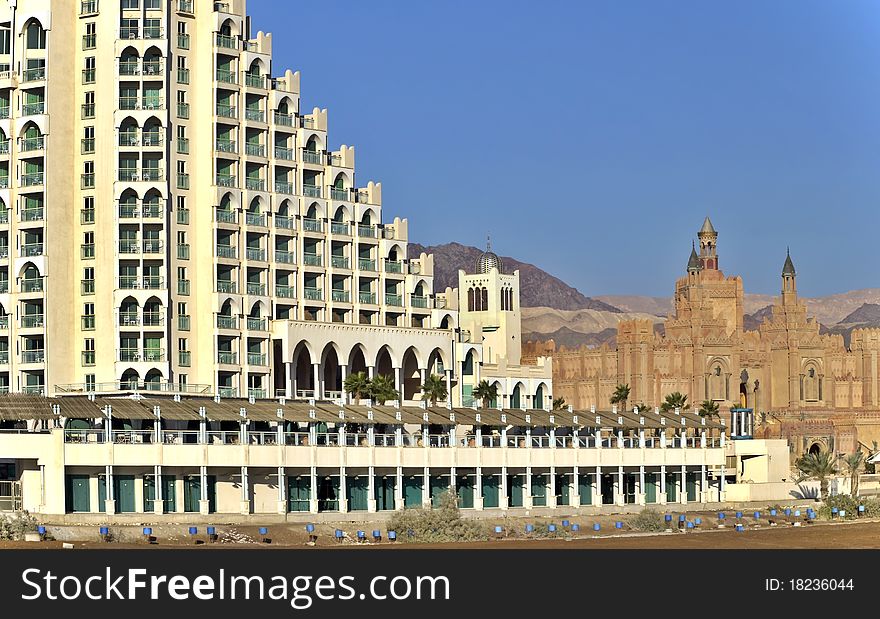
(102, 493)
(123, 493)
(298, 491)
(464, 485)
(539, 490)
(563, 490)
(515, 490)
(490, 490)
(691, 485)
(412, 491)
(585, 489)
(77, 492)
(670, 488)
(169, 491)
(357, 490)
(651, 481)
(384, 488)
(192, 493)
(439, 485)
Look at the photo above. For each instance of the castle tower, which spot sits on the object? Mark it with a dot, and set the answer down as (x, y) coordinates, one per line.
(789, 281)
(708, 246)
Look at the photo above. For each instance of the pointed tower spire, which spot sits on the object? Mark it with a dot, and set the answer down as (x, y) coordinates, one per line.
(708, 244)
(789, 281)
(694, 264)
(788, 267)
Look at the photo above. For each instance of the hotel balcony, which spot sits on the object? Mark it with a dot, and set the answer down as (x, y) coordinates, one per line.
(184, 358)
(418, 301)
(287, 154)
(152, 32)
(183, 322)
(339, 262)
(255, 219)
(227, 358)
(393, 266)
(284, 120)
(256, 254)
(284, 257)
(226, 180)
(311, 191)
(227, 322)
(255, 116)
(147, 282)
(225, 41)
(225, 145)
(226, 111)
(30, 144)
(31, 249)
(147, 138)
(32, 109)
(226, 286)
(367, 231)
(32, 285)
(312, 260)
(148, 355)
(312, 225)
(285, 292)
(339, 194)
(340, 296)
(32, 214)
(147, 68)
(340, 228)
(256, 358)
(254, 150)
(313, 294)
(368, 298)
(32, 321)
(256, 324)
(227, 77)
(33, 179)
(366, 264)
(255, 184)
(148, 175)
(256, 289)
(284, 222)
(392, 299)
(37, 74)
(253, 80)
(147, 210)
(33, 356)
(310, 156)
(226, 251)
(152, 246)
(284, 187)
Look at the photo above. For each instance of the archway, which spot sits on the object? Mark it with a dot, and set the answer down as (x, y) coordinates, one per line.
(411, 386)
(303, 372)
(332, 377)
(384, 366)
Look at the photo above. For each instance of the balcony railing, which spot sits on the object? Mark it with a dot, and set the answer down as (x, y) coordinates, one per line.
(183, 251)
(310, 156)
(255, 184)
(183, 322)
(256, 254)
(226, 251)
(183, 110)
(284, 256)
(225, 145)
(255, 115)
(287, 154)
(87, 110)
(227, 392)
(340, 296)
(32, 180)
(87, 251)
(225, 217)
(185, 6)
(29, 144)
(33, 75)
(256, 358)
(393, 299)
(153, 319)
(255, 323)
(226, 180)
(283, 221)
(226, 322)
(340, 227)
(256, 289)
(87, 286)
(311, 225)
(34, 284)
(285, 292)
(89, 41)
(254, 150)
(312, 260)
(184, 358)
(227, 41)
(183, 286)
(366, 264)
(393, 266)
(88, 323)
(130, 175)
(339, 262)
(33, 356)
(255, 81)
(418, 301)
(152, 246)
(285, 120)
(183, 76)
(226, 76)
(129, 319)
(88, 7)
(312, 294)
(148, 282)
(182, 180)
(226, 111)
(226, 286)
(32, 249)
(339, 194)
(32, 321)
(228, 358)
(367, 297)
(129, 247)
(183, 40)
(87, 146)
(88, 76)
(87, 181)
(367, 231)
(284, 187)
(32, 214)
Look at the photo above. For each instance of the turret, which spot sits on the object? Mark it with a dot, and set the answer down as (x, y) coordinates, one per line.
(708, 245)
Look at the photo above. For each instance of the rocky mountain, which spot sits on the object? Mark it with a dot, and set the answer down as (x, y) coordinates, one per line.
(537, 287)
(573, 328)
(868, 314)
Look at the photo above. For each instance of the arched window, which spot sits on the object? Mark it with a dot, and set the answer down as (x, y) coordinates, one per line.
(485, 304)
(36, 36)
(811, 385)
(470, 302)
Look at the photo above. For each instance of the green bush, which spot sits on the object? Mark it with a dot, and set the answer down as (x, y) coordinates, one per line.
(441, 524)
(14, 527)
(847, 503)
(648, 520)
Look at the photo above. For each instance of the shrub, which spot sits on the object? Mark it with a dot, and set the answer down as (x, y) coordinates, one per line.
(648, 520)
(441, 524)
(14, 527)
(850, 505)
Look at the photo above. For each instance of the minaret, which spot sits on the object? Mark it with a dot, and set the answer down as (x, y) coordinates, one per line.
(789, 281)
(708, 242)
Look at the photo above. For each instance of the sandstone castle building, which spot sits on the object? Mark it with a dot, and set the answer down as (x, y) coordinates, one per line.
(803, 385)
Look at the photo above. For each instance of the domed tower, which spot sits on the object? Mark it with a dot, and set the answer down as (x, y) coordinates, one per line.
(708, 246)
(488, 260)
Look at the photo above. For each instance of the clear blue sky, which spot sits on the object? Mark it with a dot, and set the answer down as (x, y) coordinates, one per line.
(591, 138)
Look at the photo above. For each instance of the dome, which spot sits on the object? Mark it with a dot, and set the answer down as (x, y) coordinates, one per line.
(488, 261)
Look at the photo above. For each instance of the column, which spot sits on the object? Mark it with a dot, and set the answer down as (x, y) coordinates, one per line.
(158, 493)
(721, 482)
(621, 489)
(343, 372)
(449, 386)
(371, 489)
(662, 484)
(527, 495)
(397, 384)
(204, 503)
(574, 491)
(641, 495)
(282, 491)
(503, 503)
(551, 496)
(423, 375)
(461, 383)
(704, 493)
(110, 500)
(597, 487)
(398, 489)
(682, 486)
(343, 491)
(478, 489)
(316, 380)
(289, 390)
(426, 483)
(371, 371)
(245, 491)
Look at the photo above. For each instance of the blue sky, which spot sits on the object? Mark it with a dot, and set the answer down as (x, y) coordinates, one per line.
(592, 138)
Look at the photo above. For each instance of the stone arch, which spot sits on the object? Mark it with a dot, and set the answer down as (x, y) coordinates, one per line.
(284, 207)
(315, 211)
(30, 129)
(256, 205)
(29, 270)
(517, 396)
(258, 309)
(410, 374)
(718, 379)
(303, 373)
(130, 379)
(153, 379)
(342, 181)
(447, 322)
(229, 28)
(540, 395)
(811, 381)
(229, 307)
(438, 362)
(385, 362)
(341, 214)
(34, 34)
(357, 359)
(285, 105)
(421, 287)
(331, 376)
(258, 67)
(368, 217)
(228, 201)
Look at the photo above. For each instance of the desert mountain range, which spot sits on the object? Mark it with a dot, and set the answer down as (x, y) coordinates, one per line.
(574, 319)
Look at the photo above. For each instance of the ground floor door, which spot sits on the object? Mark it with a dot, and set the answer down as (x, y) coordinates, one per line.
(539, 490)
(413, 486)
(515, 490)
(123, 493)
(464, 487)
(385, 486)
(357, 490)
(608, 489)
(563, 490)
(651, 482)
(328, 494)
(691, 485)
(585, 489)
(192, 493)
(490, 490)
(439, 485)
(299, 489)
(77, 493)
(671, 489)
(630, 484)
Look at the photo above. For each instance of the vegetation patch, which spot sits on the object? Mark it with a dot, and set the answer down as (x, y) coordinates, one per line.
(435, 525)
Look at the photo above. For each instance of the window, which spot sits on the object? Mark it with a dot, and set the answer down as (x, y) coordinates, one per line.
(88, 140)
(90, 382)
(88, 317)
(4, 40)
(153, 5)
(36, 36)
(129, 4)
(89, 70)
(89, 38)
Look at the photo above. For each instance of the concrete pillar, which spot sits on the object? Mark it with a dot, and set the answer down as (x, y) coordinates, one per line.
(398, 488)
(682, 485)
(343, 372)
(159, 494)
(551, 494)
(110, 500)
(478, 489)
(282, 491)
(371, 371)
(621, 488)
(722, 493)
(641, 493)
(245, 491)
(397, 384)
(574, 492)
(343, 491)
(289, 391)
(204, 503)
(449, 385)
(662, 496)
(527, 495)
(371, 490)
(503, 503)
(704, 492)
(597, 487)
(426, 493)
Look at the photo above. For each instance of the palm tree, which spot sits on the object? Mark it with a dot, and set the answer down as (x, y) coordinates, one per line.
(559, 404)
(854, 463)
(643, 408)
(382, 389)
(485, 392)
(434, 389)
(709, 409)
(620, 395)
(818, 466)
(357, 385)
(674, 400)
